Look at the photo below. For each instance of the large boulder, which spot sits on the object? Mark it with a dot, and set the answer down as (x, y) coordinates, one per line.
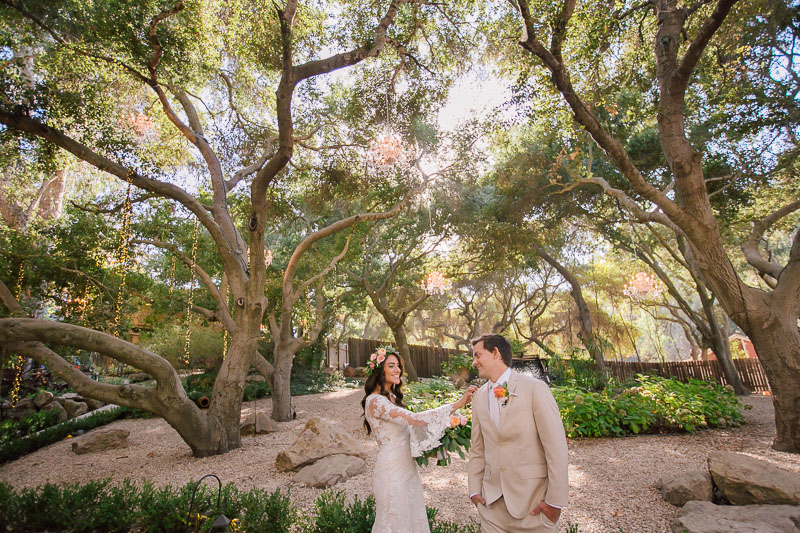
(331, 470)
(42, 399)
(74, 408)
(688, 487)
(706, 517)
(255, 378)
(257, 424)
(93, 404)
(55, 406)
(318, 439)
(744, 480)
(98, 441)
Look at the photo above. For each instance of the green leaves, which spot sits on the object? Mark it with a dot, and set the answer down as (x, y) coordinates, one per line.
(650, 405)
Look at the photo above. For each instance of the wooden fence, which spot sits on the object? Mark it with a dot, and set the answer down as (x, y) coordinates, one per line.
(750, 371)
(427, 360)
(428, 363)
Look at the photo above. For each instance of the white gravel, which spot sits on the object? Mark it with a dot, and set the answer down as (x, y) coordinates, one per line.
(611, 480)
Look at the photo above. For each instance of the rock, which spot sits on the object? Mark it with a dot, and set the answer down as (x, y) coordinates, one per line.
(331, 470)
(42, 399)
(22, 409)
(55, 406)
(688, 487)
(98, 441)
(255, 378)
(257, 424)
(706, 517)
(744, 480)
(93, 404)
(318, 439)
(74, 396)
(74, 408)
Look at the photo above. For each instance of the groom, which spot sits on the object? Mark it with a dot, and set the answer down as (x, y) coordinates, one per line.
(518, 456)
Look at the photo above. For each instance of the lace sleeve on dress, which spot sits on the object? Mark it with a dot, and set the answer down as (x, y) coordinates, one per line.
(426, 428)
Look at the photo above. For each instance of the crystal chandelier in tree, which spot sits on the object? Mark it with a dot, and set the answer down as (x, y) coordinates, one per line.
(388, 153)
(643, 285)
(436, 283)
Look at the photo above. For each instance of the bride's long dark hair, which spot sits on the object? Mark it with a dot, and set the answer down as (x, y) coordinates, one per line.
(377, 381)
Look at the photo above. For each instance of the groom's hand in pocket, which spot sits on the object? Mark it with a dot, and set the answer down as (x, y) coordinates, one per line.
(552, 513)
(478, 499)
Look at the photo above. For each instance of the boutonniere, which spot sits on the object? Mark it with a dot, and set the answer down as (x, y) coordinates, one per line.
(501, 392)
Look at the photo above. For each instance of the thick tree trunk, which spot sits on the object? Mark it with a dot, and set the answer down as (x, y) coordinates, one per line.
(778, 346)
(401, 340)
(281, 385)
(586, 332)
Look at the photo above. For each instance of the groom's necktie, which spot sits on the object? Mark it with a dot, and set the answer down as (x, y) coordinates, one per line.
(494, 406)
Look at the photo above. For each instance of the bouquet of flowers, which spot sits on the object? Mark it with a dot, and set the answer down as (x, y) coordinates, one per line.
(435, 393)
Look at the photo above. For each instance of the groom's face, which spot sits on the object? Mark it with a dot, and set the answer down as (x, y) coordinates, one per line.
(485, 362)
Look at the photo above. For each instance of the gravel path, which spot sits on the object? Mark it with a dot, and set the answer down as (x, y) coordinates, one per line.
(611, 480)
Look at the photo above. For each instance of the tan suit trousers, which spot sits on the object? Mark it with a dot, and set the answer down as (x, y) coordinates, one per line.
(495, 518)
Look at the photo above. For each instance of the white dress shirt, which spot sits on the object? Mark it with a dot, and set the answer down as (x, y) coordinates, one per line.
(494, 402)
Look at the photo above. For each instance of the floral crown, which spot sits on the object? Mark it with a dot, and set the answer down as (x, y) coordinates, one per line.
(377, 359)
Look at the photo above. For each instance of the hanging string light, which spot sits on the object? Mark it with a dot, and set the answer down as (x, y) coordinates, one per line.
(191, 296)
(436, 283)
(225, 330)
(20, 360)
(172, 276)
(123, 254)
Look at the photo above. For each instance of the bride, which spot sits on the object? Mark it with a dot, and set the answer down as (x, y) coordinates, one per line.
(402, 435)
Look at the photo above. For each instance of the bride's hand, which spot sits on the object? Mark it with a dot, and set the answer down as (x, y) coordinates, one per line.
(466, 398)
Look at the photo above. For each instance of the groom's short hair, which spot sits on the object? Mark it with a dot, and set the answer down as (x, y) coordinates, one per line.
(492, 341)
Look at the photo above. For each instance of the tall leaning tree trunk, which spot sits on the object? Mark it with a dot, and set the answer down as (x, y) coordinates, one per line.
(586, 331)
(401, 341)
(768, 318)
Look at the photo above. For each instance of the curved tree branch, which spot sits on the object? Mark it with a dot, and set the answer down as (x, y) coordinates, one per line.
(750, 248)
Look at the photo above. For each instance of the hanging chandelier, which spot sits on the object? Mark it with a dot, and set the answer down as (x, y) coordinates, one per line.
(436, 283)
(643, 285)
(388, 154)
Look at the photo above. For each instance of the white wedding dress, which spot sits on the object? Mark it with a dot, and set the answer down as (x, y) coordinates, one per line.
(402, 435)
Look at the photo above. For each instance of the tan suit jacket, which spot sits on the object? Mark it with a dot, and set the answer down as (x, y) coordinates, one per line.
(525, 460)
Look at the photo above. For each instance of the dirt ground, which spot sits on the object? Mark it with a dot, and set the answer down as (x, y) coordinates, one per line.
(611, 479)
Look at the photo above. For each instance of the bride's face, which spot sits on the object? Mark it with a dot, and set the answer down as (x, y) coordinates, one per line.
(392, 371)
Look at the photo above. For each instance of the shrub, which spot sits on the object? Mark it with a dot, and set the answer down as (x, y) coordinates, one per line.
(16, 429)
(651, 404)
(169, 341)
(333, 515)
(456, 363)
(16, 448)
(100, 506)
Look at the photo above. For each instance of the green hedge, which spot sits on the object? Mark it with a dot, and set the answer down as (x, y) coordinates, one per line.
(101, 506)
(11, 430)
(17, 448)
(650, 405)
